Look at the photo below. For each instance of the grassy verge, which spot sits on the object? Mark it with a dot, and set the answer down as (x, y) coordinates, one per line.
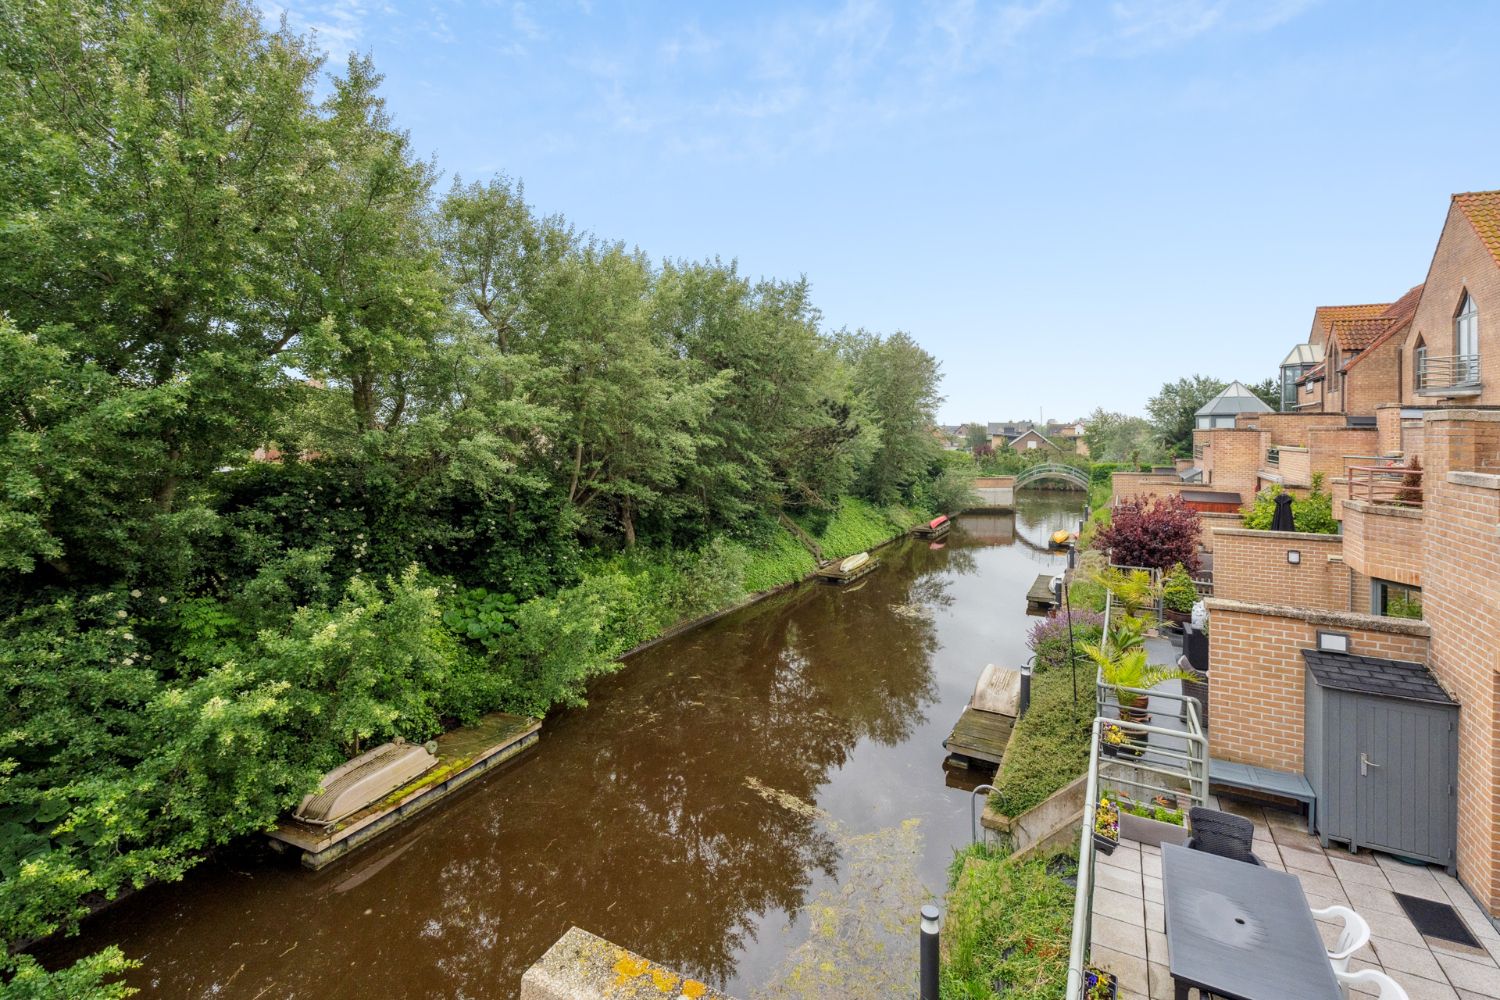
(1049, 746)
(1008, 927)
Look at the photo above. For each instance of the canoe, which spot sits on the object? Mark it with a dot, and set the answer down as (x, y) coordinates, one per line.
(854, 562)
(938, 521)
(367, 778)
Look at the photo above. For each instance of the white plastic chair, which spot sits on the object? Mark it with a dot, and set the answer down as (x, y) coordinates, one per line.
(1368, 978)
(1354, 936)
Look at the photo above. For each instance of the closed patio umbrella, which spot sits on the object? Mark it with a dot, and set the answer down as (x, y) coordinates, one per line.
(1282, 519)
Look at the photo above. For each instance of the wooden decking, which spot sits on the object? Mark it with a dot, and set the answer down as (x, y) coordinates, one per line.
(980, 736)
(1040, 599)
(832, 574)
(463, 755)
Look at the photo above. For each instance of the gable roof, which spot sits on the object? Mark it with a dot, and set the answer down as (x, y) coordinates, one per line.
(1482, 209)
(1032, 432)
(1325, 316)
(1397, 317)
(1357, 333)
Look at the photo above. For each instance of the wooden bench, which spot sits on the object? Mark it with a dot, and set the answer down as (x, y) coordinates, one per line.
(1282, 784)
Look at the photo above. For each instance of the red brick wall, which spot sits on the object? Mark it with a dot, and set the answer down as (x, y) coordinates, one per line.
(1388, 429)
(1234, 460)
(1287, 428)
(1461, 601)
(1384, 542)
(1256, 673)
(1460, 262)
(1130, 485)
(1331, 447)
(1295, 467)
(1374, 378)
(1208, 522)
(1252, 566)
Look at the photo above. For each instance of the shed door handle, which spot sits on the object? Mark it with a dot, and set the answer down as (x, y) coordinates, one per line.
(1365, 763)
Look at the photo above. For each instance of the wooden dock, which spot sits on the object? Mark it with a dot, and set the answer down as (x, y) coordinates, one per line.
(1040, 599)
(927, 531)
(980, 736)
(832, 574)
(463, 755)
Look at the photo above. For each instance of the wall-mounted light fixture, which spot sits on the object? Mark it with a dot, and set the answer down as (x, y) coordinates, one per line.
(1333, 642)
(1293, 556)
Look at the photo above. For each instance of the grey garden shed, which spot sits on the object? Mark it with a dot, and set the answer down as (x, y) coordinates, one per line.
(1381, 753)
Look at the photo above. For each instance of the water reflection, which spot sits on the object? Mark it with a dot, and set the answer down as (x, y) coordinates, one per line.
(640, 818)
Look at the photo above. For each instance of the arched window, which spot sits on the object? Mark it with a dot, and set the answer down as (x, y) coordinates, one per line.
(1419, 361)
(1466, 328)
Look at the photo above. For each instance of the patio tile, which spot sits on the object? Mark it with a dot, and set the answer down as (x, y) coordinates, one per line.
(1471, 976)
(1156, 948)
(1128, 969)
(1295, 858)
(1439, 946)
(1361, 873)
(1119, 906)
(1423, 885)
(1152, 888)
(1156, 917)
(1117, 935)
(1369, 897)
(1419, 988)
(1117, 879)
(1128, 860)
(1161, 982)
(1298, 838)
(1397, 956)
(1319, 885)
(1151, 865)
(1392, 927)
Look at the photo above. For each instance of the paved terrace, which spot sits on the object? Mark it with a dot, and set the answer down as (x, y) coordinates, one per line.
(1129, 936)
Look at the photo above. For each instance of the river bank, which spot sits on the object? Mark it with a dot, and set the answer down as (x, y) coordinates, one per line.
(729, 784)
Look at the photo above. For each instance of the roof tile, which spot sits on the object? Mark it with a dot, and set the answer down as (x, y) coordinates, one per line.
(1482, 208)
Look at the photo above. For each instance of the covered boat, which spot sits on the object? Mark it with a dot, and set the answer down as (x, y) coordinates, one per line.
(935, 528)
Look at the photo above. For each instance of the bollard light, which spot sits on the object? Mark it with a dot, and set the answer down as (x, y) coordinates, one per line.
(929, 952)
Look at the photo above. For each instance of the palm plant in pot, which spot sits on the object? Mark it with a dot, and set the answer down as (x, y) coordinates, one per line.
(1125, 666)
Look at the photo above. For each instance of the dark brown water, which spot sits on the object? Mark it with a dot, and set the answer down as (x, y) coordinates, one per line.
(727, 790)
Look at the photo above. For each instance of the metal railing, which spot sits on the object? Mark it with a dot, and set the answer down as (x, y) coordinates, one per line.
(1387, 485)
(1175, 763)
(1455, 371)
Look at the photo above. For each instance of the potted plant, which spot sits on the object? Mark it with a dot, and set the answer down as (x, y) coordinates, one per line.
(1112, 740)
(1178, 596)
(1106, 825)
(1128, 670)
(1133, 590)
(1152, 823)
(1099, 985)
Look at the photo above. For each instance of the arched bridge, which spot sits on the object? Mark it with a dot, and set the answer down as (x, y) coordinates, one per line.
(1055, 472)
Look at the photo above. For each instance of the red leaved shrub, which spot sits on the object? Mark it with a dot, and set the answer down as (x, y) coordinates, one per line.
(1154, 532)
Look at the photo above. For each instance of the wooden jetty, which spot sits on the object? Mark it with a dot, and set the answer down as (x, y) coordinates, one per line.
(848, 570)
(980, 736)
(1041, 598)
(462, 756)
(936, 528)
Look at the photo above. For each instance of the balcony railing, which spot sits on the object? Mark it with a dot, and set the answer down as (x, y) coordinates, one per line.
(1461, 371)
(1388, 485)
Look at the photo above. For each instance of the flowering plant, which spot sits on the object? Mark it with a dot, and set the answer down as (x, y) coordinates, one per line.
(1107, 818)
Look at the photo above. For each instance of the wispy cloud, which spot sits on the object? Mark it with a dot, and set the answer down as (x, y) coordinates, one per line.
(1137, 26)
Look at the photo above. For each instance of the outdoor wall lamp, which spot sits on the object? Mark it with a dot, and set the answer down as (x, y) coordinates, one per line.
(1293, 556)
(1333, 642)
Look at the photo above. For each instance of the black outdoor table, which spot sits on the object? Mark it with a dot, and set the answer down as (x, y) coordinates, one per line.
(1240, 931)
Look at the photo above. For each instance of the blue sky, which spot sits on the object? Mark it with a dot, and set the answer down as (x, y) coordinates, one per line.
(1066, 203)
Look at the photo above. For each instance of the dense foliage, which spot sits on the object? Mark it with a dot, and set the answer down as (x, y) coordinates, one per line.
(1049, 746)
(1151, 532)
(1312, 513)
(1008, 925)
(494, 452)
(1174, 411)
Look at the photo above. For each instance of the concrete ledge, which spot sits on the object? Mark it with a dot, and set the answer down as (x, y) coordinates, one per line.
(581, 966)
(1390, 510)
(1335, 619)
(1290, 536)
(1058, 811)
(1465, 414)
(1479, 480)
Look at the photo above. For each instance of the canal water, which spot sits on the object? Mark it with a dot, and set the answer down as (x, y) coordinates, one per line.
(761, 803)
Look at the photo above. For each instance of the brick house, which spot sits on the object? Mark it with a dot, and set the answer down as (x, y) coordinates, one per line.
(1414, 576)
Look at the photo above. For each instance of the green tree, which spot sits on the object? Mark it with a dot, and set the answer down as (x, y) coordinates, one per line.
(1173, 408)
(897, 385)
(1116, 437)
(1268, 391)
(976, 434)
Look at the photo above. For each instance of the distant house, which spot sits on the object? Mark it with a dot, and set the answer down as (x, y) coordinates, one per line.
(1223, 408)
(1031, 440)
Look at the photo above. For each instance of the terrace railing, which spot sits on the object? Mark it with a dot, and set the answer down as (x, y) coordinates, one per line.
(1453, 372)
(1387, 485)
(1170, 761)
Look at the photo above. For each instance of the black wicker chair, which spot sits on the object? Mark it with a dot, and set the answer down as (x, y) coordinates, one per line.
(1221, 833)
